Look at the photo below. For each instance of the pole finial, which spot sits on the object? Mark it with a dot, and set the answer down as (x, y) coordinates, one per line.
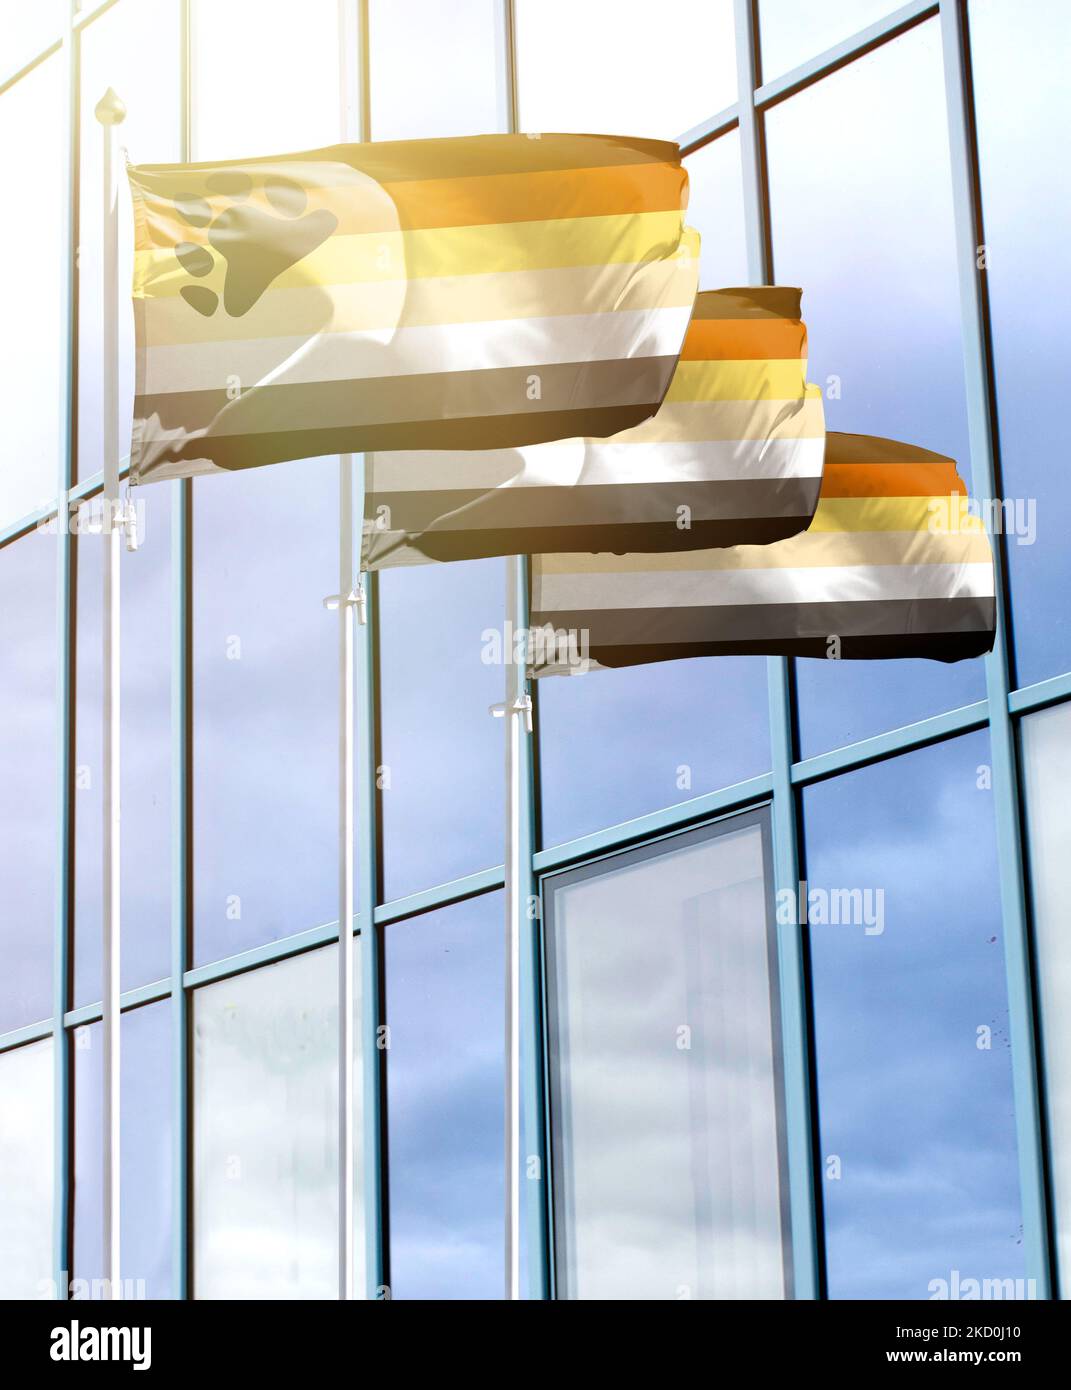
(110, 110)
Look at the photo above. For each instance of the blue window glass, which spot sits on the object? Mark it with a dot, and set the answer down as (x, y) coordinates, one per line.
(113, 50)
(1018, 57)
(445, 1079)
(868, 234)
(1047, 768)
(434, 69)
(266, 1133)
(265, 719)
(32, 343)
(145, 748)
(918, 1155)
(28, 810)
(145, 1155)
(441, 773)
(26, 1162)
(716, 208)
(664, 1041)
(791, 33)
(617, 744)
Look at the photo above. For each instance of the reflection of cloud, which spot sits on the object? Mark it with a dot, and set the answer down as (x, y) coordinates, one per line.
(670, 1178)
(26, 1161)
(919, 1116)
(266, 1161)
(28, 804)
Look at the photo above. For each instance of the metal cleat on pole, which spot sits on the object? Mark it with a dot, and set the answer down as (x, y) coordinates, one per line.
(522, 704)
(356, 598)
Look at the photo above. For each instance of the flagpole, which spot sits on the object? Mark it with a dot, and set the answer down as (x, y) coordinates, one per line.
(518, 721)
(110, 112)
(350, 598)
(517, 717)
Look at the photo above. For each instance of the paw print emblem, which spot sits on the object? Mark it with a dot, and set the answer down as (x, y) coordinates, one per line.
(256, 243)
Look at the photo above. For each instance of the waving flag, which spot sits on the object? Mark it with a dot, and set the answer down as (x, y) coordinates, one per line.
(734, 456)
(473, 293)
(893, 565)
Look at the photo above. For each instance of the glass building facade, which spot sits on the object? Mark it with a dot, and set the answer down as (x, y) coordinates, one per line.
(797, 976)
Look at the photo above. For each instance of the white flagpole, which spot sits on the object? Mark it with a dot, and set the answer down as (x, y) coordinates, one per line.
(518, 717)
(347, 48)
(110, 111)
(517, 712)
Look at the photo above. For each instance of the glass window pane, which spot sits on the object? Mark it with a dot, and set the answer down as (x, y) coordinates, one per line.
(792, 33)
(1018, 57)
(445, 973)
(263, 83)
(265, 1200)
(618, 744)
(917, 1132)
(113, 50)
(145, 715)
(1047, 769)
(441, 775)
(33, 342)
(28, 31)
(28, 811)
(145, 1159)
(869, 236)
(610, 66)
(265, 668)
(716, 208)
(665, 1072)
(434, 69)
(26, 1166)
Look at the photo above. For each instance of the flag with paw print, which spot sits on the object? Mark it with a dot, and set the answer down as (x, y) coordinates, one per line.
(477, 293)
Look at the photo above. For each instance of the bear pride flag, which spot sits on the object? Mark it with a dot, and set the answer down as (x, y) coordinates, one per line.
(473, 293)
(734, 456)
(894, 564)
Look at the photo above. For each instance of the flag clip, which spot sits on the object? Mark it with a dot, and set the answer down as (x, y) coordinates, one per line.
(521, 705)
(356, 598)
(126, 518)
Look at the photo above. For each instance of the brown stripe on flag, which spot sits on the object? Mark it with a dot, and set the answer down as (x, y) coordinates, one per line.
(801, 629)
(466, 404)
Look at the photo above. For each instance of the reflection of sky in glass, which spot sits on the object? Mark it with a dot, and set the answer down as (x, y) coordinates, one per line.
(862, 219)
(669, 1184)
(28, 828)
(266, 1133)
(113, 55)
(145, 1162)
(31, 344)
(1047, 771)
(716, 208)
(433, 68)
(442, 769)
(26, 1120)
(919, 1116)
(444, 1105)
(265, 663)
(145, 753)
(612, 66)
(1019, 59)
(617, 744)
(791, 33)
